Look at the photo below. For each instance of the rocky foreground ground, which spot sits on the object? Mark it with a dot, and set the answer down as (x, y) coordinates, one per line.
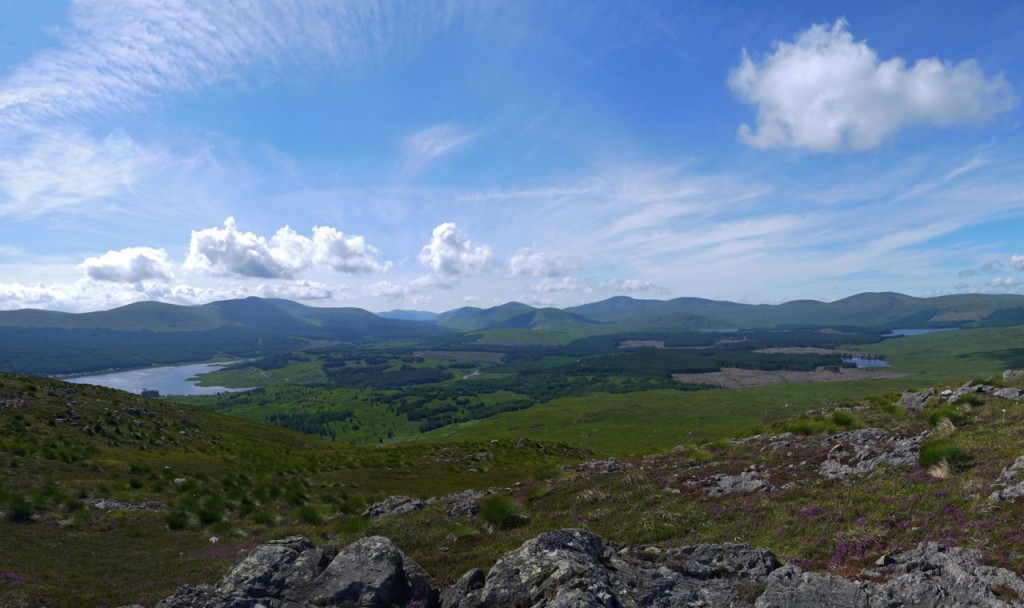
(575, 568)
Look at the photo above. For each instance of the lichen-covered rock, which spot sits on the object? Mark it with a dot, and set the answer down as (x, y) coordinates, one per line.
(393, 505)
(293, 573)
(857, 453)
(372, 573)
(934, 575)
(790, 587)
(575, 568)
(556, 569)
(915, 401)
(746, 482)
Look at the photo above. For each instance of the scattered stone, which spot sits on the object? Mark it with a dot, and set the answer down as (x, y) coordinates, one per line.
(393, 505)
(104, 504)
(858, 453)
(609, 465)
(746, 482)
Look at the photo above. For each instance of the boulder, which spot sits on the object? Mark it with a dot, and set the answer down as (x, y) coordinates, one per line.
(1013, 374)
(372, 573)
(293, 573)
(393, 505)
(915, 401)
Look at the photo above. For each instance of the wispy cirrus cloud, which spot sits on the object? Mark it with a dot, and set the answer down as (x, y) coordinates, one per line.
(426, 146)
(121, 55)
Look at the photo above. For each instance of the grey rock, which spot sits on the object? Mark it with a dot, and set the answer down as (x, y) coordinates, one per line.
(746, 482)
(556, 569)
(104, 504)
(1010, 394)
(915, 401)
(789, 587)
(393, 505)
(276, 569)
(189, 596)
(933, 575)
(857, 453)
(372, 573)
(463, 504)
(575, 568)
(1013, 374)
(468, 585)
(293, 573)
(1008, 494)
(1012, 478)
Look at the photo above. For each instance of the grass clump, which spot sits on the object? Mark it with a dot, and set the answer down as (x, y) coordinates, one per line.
(845, 420)
(937, 451)
(955, 416)
(503, 512)
(308, 515)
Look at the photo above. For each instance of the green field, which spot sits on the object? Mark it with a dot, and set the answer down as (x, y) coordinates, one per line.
(951, 355)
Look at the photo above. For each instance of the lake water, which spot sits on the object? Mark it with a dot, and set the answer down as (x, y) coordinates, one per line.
(915, 332)
(866, 363)
(171, 380)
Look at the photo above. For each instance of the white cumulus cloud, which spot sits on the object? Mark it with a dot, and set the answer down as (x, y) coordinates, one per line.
(530, 263)
(129, 265)
(550, 285)
(1004, 282)
(630, 285)
(228, 251)
(1017, 262)
(450, 255)
(389, 290)
(827, 92)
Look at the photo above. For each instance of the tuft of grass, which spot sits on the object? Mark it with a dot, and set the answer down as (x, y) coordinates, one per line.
(970, 399)
(844, 419)
(19, 508)
(952, 414)
(937, 451)
(307, 514)
(177, 520)
(503, 512)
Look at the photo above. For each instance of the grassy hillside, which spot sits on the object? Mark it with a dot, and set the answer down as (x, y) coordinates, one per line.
(64, 447)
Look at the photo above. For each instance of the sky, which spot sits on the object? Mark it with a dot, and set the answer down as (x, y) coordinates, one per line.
(430, 155)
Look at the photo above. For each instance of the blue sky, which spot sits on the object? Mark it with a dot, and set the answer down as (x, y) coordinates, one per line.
(431, 155)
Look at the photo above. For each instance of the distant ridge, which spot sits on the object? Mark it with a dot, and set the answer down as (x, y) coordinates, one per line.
(154, 333)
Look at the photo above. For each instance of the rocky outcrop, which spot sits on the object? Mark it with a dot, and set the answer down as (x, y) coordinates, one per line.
(575, 568)
(750, 480)
(915, 401)
(293, 573)
(1012, 480)
(856, 453)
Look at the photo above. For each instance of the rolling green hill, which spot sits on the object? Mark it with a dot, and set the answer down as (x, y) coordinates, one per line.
(108, 498)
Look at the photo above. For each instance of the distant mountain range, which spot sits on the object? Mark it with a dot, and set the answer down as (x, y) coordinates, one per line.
(148, 333)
